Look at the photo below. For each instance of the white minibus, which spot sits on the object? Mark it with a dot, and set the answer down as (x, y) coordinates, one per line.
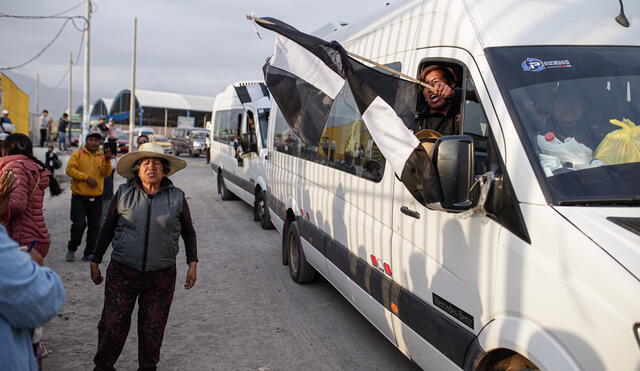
(544, 271)
(238, 145)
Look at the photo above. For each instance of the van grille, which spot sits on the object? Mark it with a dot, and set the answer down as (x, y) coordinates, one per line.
(631, 224)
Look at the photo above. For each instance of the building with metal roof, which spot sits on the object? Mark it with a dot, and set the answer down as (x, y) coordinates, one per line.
(162, 108)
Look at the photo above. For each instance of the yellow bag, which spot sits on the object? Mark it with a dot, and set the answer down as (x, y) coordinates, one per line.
(620, 146)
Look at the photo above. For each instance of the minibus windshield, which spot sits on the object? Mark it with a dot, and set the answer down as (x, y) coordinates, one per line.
(577, 110)
(263, 119)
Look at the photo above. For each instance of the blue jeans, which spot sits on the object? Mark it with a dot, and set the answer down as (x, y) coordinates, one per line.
(62, 141)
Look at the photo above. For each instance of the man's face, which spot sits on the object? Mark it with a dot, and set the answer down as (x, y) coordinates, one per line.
(45, 114)
(93, 144)
(141, 141)
(432, 99)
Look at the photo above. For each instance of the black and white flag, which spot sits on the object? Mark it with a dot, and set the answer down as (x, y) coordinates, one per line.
(251, 92)
(306, 73)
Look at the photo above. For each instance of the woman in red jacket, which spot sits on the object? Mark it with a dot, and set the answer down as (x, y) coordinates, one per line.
(25, 218)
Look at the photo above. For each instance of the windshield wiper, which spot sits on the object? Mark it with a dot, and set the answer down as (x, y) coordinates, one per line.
(613, 201)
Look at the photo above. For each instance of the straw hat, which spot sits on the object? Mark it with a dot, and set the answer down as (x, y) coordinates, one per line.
(147, 150)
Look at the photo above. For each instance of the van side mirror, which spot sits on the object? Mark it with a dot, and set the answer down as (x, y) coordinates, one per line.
(246, 143)
(453, 157)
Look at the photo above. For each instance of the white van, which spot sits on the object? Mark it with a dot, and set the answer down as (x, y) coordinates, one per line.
(238, 151)
(550, 278)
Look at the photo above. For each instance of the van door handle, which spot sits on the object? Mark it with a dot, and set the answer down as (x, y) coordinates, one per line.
(412, 213)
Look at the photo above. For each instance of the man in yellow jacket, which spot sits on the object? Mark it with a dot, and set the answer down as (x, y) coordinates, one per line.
(87, 168)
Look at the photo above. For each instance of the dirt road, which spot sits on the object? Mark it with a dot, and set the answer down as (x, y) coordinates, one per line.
(244, 313)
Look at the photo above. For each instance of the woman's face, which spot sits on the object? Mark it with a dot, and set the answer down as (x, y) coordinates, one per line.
(151, 171)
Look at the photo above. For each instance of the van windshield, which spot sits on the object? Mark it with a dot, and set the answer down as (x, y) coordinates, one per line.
(576, 110)
(263, 119)
(198, 134)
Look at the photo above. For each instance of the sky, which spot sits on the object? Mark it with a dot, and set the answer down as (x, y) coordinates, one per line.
(191, 46)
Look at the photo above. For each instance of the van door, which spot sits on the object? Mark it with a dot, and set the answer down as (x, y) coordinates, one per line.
(247, 170)
(443, 264)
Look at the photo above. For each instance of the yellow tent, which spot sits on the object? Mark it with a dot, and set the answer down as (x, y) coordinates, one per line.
(16, 102)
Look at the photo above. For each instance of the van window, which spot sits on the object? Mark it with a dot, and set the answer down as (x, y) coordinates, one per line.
(575, 109)
(345, 145)
(476, 125)
(226, 125)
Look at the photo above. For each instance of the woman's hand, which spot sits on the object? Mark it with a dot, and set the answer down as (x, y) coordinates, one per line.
(96, 276)
(191, 276)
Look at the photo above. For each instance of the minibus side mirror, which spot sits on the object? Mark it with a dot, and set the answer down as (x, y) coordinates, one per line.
(247, 145)
(453, 157)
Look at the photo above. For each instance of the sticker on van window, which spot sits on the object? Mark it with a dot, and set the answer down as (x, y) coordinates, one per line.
(536, 65)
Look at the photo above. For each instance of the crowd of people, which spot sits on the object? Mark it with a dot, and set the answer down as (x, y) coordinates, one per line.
(142, 266)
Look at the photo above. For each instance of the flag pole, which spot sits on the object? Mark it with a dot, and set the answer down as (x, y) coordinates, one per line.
(390, 70)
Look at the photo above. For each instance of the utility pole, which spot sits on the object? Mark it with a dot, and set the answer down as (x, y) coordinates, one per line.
(85, 98)
(38, 94)
(132, 105)
(69, 95)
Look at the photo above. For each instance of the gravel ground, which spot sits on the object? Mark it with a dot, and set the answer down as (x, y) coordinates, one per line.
(244, 313)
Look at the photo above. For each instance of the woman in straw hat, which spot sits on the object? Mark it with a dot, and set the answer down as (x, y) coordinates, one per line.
(146, 217)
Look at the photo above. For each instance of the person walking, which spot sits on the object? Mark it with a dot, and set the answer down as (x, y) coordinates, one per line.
(87, 168)
(30, 295)
(146, 217)
(62, 132)
(25, 217)
(51, 160)
(45, 124)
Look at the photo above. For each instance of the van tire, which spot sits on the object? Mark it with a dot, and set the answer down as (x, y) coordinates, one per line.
(176, 152)
(225, 193)
(301, 271)
(262, 209)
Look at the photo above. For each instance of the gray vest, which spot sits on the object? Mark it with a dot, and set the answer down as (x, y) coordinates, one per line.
(148, 229)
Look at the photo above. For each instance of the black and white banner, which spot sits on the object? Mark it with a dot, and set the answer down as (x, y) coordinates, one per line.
(251, 92)
(305, 75)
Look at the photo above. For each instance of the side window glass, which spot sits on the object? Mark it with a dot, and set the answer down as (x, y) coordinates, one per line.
(345, 144)
(476, 125)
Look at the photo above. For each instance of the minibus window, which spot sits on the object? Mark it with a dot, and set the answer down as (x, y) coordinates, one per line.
(345, 144)
(225, 125)
(476, 125)
(576, 112)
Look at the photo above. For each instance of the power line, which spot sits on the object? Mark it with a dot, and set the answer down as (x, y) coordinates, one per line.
(66, 72)
(70, 9)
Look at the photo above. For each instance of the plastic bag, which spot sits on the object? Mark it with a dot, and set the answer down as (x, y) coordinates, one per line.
(569, 151)
(620, 146)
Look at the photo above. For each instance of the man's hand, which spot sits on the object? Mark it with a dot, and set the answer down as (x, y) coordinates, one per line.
(442, 89)
(96, 276)
(108, 155)
(191, 276)
(8, 183)
(92, 182)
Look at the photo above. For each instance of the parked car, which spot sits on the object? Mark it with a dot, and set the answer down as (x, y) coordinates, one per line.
(161, 140)
(189, 140)
(123, 142)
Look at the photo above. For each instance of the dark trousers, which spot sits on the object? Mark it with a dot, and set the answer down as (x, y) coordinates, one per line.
(154, 291)
(86, 212)
(43, 137)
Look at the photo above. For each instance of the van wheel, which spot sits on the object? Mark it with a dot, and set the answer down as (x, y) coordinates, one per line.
(506, 360)
(262, 210)
(301, 271)
(176, 152)
(190, 152)
(225, 193)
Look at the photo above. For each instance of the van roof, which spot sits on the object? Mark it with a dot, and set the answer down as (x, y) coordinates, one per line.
(461, 23)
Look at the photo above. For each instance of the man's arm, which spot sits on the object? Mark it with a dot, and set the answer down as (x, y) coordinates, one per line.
(31, 295)
(72, 167)
(106, 168)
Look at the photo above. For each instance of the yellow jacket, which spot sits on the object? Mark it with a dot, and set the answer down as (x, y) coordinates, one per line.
(84, 164)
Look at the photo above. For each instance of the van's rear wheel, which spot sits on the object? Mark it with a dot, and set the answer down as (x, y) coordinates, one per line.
(263, 210)
(301, 271)
(506, 360)
(225, 193)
